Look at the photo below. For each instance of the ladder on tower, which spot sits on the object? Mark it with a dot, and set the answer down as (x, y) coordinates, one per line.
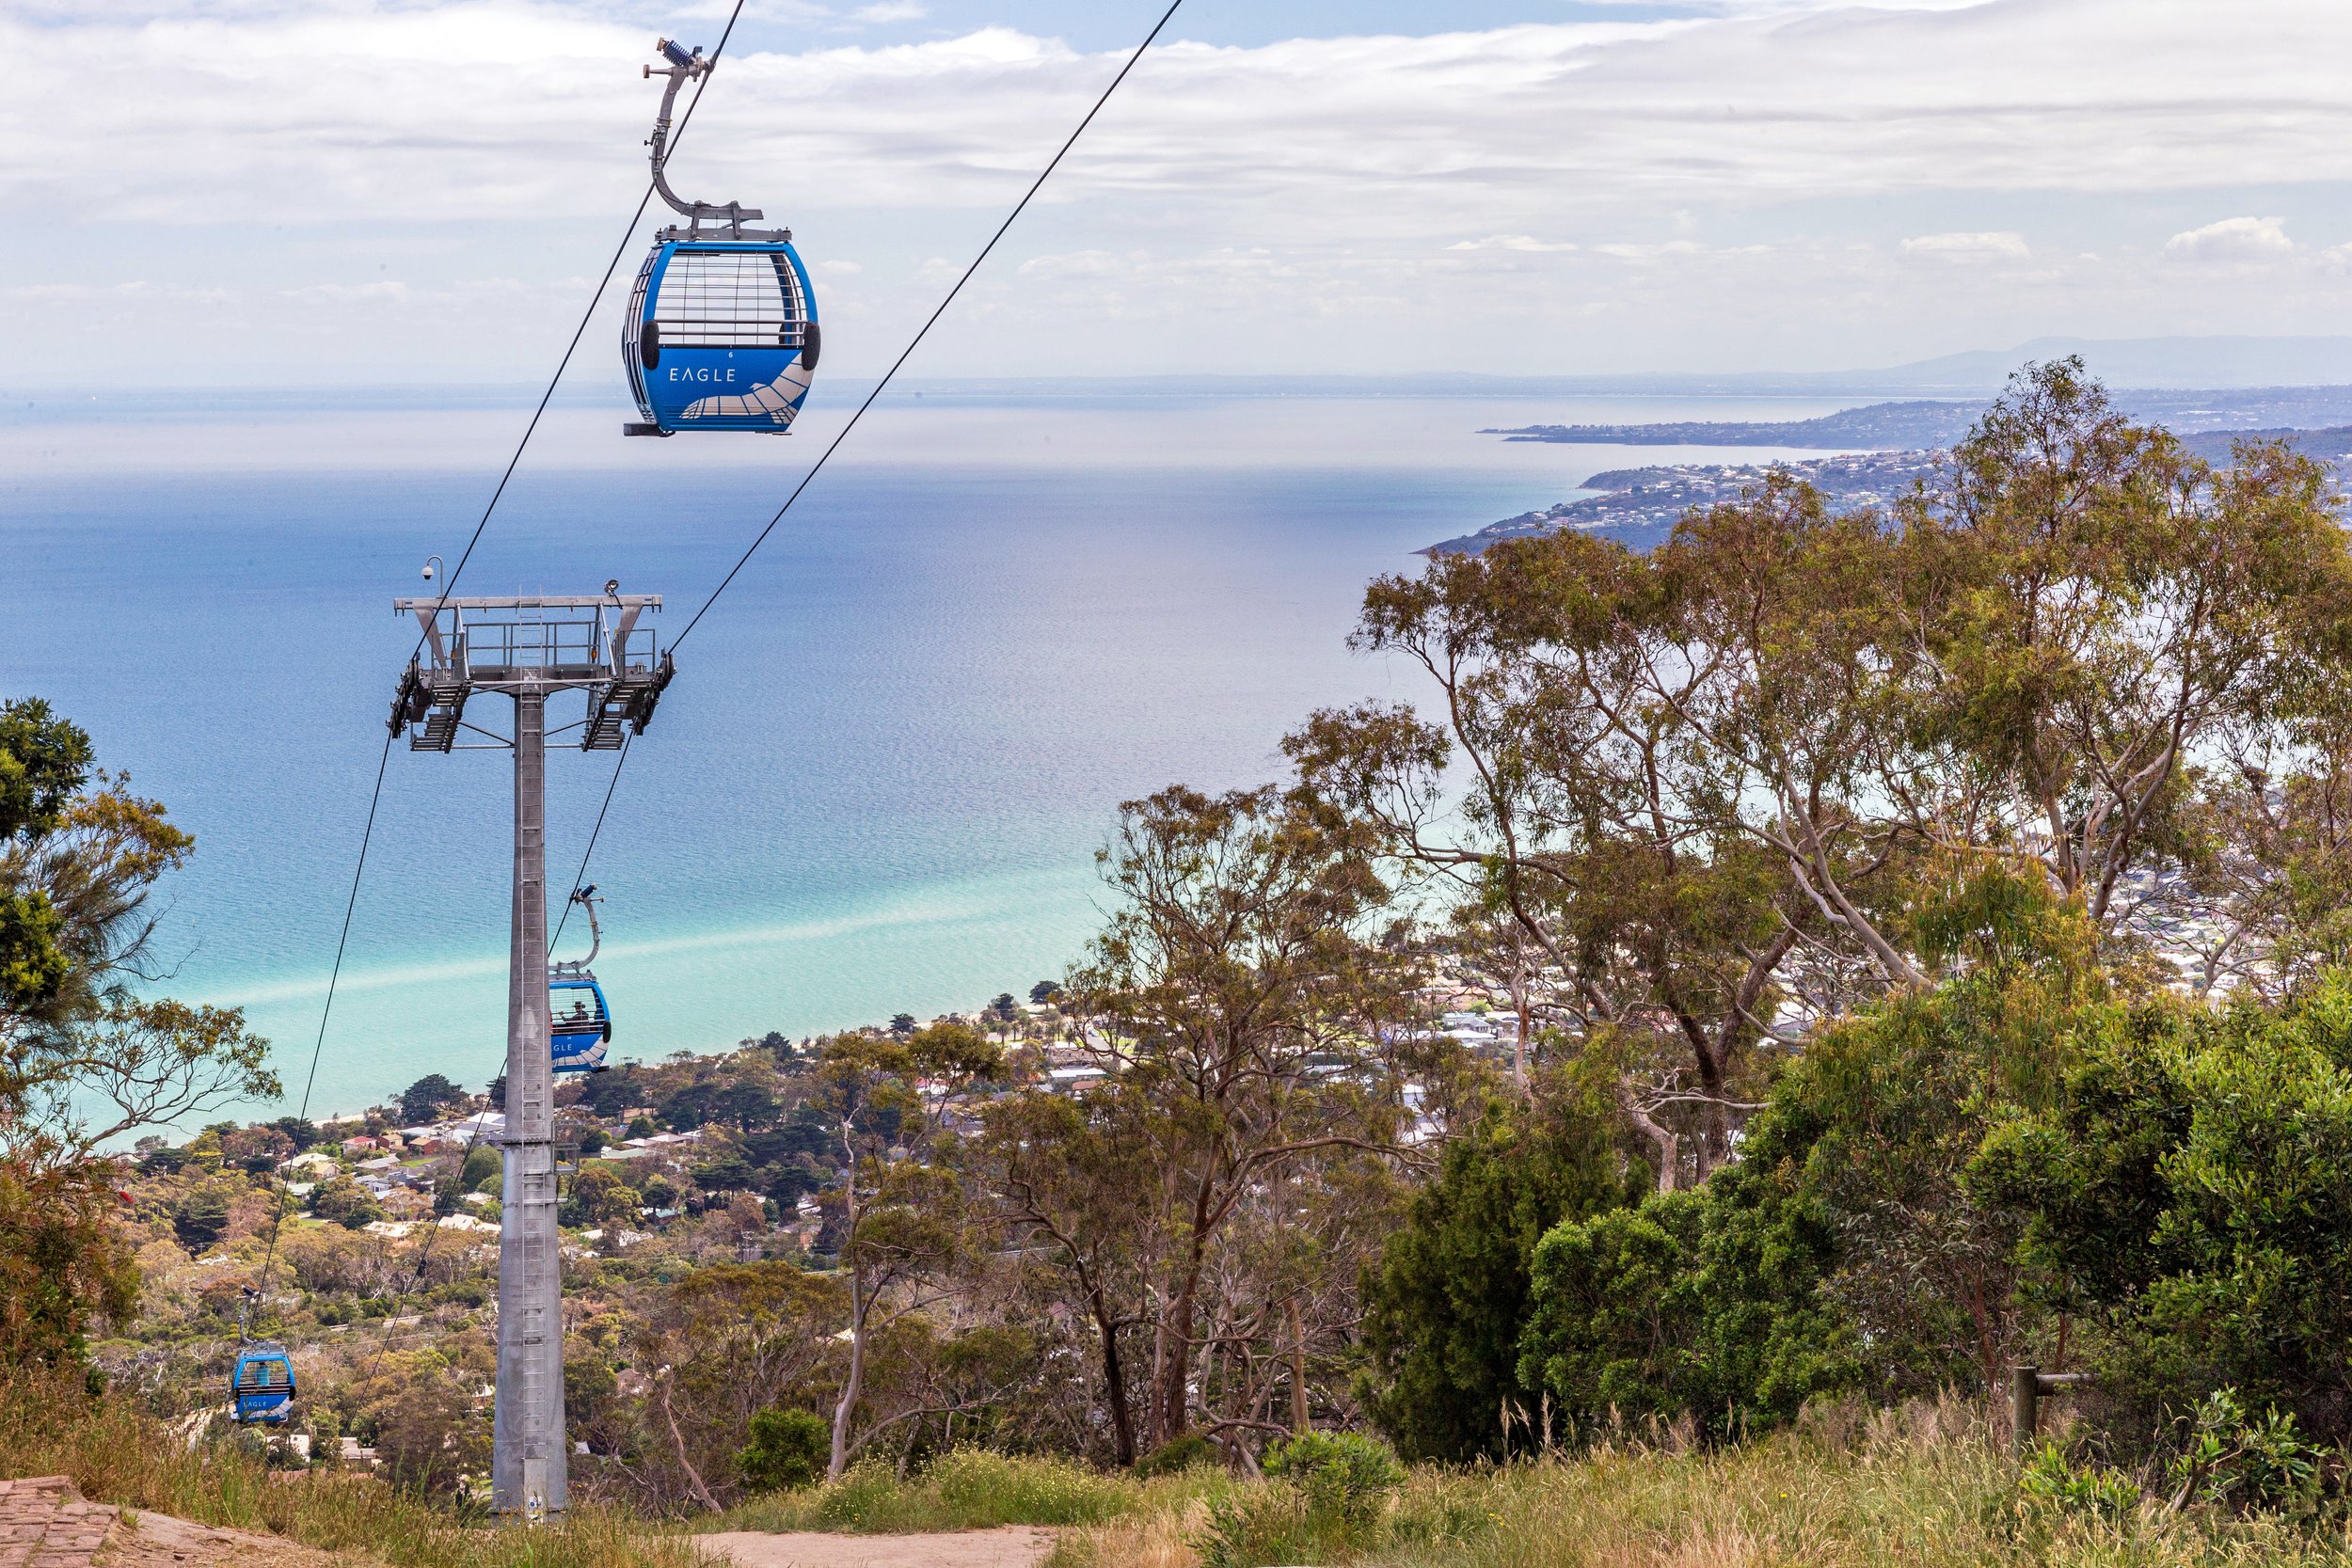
(626, 702)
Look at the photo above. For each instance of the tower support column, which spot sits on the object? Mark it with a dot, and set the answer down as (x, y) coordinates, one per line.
(528, 1453)
(530, 648)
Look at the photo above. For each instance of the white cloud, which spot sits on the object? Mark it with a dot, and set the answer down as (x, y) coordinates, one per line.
(389, 111)
(2232, 240)
(1224, 283)
(1546, 196)
(1511, 241)
(1996, 246)
(138, 288)
(839, 268)
(1082, 263)
(1625, 251)
(349, 293)
(891, 10)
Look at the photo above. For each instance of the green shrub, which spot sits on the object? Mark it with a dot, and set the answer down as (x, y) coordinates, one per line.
(982, 1489)
(787, 1451)
(1324, 1500)
(2187, 1202)
(2231, 1457)
(1850, 1247)
(1339, 1474)
(1704, 1306)
(2050, 1478)
(1447, 1301)
(1178, 1455)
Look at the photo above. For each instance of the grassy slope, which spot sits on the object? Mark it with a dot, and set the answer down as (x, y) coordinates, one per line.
(966, 1490)
(118, 1455)
(1926, 1488)
(1929, 1487)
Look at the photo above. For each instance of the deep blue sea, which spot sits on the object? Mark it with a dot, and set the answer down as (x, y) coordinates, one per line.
(891, 749)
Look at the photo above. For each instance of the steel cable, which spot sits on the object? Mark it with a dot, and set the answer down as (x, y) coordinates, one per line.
(497, 494)
(761, 538)
(904, 355)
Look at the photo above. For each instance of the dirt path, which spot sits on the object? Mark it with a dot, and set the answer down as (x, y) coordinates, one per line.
(45, 1524)
(160, 1540)
(1012, 1546)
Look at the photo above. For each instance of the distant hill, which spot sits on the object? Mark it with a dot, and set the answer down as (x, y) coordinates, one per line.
(1884, 425)
(1641, 506)
(2210, 415)
(2213, 445)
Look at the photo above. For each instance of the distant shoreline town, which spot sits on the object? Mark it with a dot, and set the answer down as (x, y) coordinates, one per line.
(1901, 444)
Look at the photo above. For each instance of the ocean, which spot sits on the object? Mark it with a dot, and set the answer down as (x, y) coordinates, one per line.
(891, 750)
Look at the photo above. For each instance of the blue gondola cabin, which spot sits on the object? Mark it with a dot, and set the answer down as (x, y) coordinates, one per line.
(261, 1384)
(580, 1026)
(721, 330)
(723, 336)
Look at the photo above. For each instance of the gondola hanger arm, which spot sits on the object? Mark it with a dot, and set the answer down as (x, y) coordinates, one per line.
(687, 66)
(587, 898)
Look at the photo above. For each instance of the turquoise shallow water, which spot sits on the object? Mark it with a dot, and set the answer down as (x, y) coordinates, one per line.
(889, 754)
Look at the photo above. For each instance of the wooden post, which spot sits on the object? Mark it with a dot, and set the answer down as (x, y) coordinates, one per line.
(2025, 1395)
(1298, 1372)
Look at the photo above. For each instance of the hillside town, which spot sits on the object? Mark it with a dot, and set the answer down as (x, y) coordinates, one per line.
(689, 1135)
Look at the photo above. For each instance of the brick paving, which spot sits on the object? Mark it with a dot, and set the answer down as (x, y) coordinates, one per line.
(45, 1524)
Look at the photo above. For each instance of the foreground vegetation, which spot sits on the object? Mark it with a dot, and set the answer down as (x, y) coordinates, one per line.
(968, 1489)
(1929, 1484)
(116, 1452)
(1922, 1489)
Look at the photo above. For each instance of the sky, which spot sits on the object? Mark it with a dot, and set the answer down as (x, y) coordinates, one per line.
(364, 192)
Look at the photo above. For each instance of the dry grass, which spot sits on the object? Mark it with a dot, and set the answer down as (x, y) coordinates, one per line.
(1162, 1538)
(1925, 1488)
(119, 1454)
(969, 1489)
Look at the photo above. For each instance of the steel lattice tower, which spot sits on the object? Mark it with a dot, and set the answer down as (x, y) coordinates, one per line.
(530, 649)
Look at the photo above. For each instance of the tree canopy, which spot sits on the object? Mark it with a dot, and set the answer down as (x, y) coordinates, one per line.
(1711, 784)
(87, 1060)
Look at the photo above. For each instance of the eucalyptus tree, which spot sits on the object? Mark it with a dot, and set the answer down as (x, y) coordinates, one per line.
(1256, 1033)
(2131, 663)
(1617, 735)
(1069, 1190)
(901, 1206)
(84, 1059)
(1714, 783)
